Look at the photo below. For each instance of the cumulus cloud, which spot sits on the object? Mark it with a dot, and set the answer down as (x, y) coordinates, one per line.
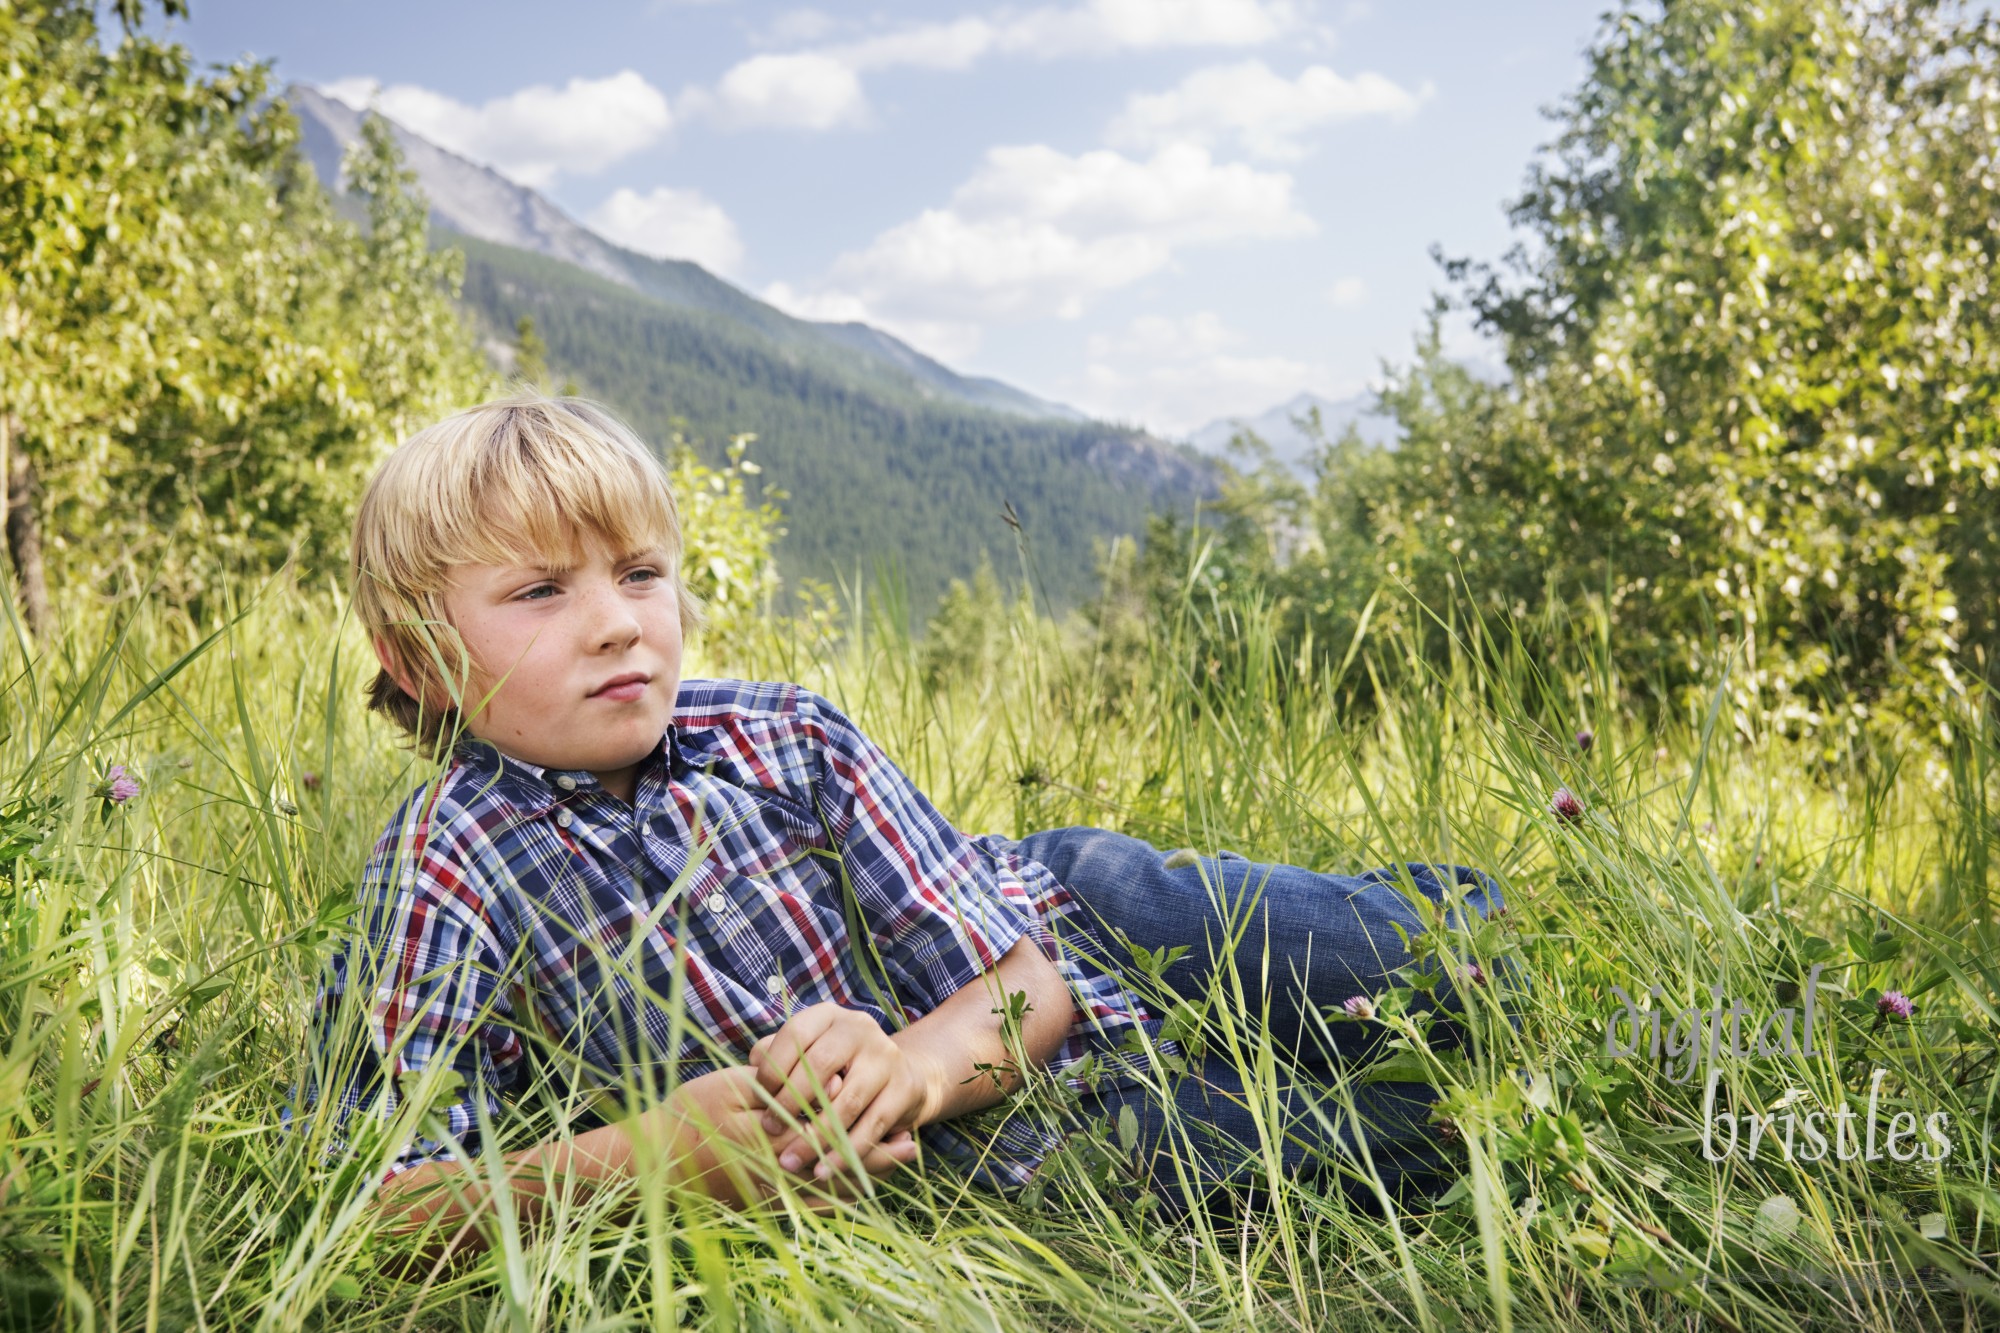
(795, 26)
(945, 339)
(1108, 25)
(532, 135)
(1097, 27)
(1260, 109)
(949, 46)
(1176, 374)
(821, 89)
(671, 224)
(1036, 232)
(807, 90)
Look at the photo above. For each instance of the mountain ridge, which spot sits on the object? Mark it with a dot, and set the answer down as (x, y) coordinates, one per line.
(1292, 445)
(477, 201)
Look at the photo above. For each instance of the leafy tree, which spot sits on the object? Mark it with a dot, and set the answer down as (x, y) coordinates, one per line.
(1755, 350)
(531, 354)
(729, 537)
(1753, 353)
(968, 632)
(205, 360)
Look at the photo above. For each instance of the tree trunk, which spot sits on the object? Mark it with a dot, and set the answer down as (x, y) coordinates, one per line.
(24, 530)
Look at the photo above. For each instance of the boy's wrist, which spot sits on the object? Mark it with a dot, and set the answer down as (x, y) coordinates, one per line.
(932, 1080)
(686, 1136)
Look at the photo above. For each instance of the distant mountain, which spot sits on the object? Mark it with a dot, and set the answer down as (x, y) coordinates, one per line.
(1279, 428)
(886, 456)
(479, 202)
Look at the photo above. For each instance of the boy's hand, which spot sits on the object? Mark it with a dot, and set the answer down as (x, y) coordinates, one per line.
(840, 1062)
(719, 1120)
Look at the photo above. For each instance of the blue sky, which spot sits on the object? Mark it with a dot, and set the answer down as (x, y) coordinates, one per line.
(1160, 211)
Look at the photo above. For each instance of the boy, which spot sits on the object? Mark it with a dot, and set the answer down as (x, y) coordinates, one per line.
(724, 886)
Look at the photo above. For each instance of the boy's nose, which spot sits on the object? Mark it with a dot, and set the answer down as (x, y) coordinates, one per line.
(612, 622)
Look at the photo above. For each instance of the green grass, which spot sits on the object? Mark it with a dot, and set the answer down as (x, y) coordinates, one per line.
(157, 962)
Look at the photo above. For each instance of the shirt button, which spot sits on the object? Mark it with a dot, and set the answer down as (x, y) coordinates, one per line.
(716, 902)
(774, 984)
(646, 828)
(566, 782)
(563, 818)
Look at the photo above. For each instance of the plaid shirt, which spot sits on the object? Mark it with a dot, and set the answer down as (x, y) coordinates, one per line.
(508, 906)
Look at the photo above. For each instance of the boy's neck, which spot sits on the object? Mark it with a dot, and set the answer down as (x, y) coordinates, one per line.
(624, 783)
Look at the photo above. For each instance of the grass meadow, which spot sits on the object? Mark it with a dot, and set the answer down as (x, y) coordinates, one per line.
(158, 958)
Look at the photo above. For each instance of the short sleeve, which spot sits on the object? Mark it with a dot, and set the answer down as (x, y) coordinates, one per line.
(417, 997)
(929, 901)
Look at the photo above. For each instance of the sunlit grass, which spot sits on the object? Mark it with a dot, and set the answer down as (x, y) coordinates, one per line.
(158, 959)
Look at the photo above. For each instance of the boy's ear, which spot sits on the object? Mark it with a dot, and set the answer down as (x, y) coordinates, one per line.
(385, 653)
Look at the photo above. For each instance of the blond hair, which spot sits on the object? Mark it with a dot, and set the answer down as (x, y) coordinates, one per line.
(524, 479)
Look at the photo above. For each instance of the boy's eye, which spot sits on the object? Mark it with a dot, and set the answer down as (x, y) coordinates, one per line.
(534, 594)
(645, 574)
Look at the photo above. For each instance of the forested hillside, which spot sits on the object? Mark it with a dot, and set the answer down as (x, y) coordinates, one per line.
(477, 201)
(869, 474)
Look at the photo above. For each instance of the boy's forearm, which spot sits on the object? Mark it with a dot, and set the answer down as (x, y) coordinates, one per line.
(963, 1040)
(449, 1197)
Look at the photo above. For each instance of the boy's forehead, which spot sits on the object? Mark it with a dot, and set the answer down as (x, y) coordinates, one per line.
(509, 551)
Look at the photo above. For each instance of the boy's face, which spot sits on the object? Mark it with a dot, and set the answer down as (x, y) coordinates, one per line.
(587, 660)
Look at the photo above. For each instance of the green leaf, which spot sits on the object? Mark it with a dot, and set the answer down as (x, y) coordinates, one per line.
(1401, 1067)
(206, 991)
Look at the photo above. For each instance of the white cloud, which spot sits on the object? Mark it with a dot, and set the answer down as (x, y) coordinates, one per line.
(808, 90)
(1176, 374)
(795, 26)
(941, 263)
(949, 46)
(1108, 25)
(827, 306)
(671, 224)
(1156, 337)
(947, 340)
(1097, 27)
(357, 92)
(1347, 292)
(534, 134)
(821, 89)
(1036, 233)
(1180, 194)
(1262, 110)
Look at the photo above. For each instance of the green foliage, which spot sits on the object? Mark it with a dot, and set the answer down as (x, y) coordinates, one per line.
(1753, 365)
(531, 354)
(729, 536)
(969, 629)
(203, 361)
(1756, 351)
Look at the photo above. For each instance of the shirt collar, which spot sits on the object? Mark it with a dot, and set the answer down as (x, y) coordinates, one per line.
(532, 789)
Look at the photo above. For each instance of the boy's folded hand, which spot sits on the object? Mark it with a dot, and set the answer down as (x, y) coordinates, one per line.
(839, 1063)
(716, 1123)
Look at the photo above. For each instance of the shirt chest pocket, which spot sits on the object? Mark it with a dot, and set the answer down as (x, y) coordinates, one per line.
(787, 913)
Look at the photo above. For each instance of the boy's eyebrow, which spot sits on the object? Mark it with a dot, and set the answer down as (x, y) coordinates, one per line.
(528, 565)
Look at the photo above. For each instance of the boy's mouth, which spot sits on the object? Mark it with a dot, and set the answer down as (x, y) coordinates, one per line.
(622, 688)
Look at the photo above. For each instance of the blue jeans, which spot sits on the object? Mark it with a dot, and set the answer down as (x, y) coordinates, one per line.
(1300, 941)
